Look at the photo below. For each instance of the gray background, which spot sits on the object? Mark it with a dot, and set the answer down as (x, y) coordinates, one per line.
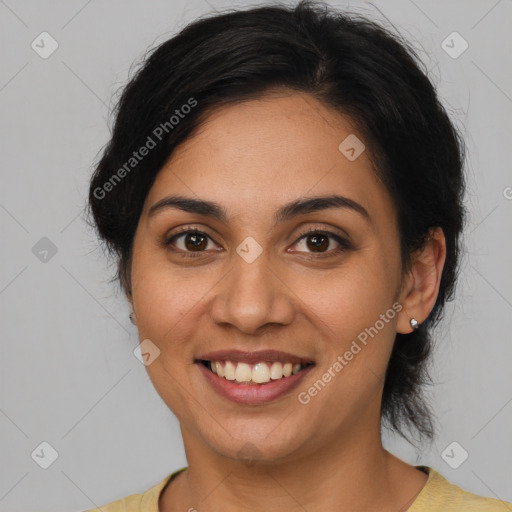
(69, 376)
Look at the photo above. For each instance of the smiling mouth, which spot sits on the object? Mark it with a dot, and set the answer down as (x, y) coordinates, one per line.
(259, 373)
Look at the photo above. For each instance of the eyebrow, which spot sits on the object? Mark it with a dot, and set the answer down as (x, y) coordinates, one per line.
(288, 211)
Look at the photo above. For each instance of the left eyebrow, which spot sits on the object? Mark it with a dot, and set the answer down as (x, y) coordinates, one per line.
(295, 208)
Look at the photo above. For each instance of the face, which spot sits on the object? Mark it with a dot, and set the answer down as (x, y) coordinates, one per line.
(309, 286)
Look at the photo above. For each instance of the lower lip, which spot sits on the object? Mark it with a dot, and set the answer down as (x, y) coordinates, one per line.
(253, 394)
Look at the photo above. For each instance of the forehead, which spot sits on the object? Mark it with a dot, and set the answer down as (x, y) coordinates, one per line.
(266, 152)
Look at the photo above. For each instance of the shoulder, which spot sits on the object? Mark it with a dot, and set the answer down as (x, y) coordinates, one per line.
(441, 495)
(145, 502)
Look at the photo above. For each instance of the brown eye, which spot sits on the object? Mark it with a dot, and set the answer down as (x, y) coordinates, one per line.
(189, 241)
(194, 242)
(319, 242)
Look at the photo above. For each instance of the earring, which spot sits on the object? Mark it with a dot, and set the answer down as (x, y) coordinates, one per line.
(132, 318)
(414, 323)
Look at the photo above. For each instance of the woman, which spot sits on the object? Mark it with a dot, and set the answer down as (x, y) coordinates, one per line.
(283, 194)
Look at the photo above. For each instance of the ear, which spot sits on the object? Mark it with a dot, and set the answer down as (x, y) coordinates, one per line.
(421, 284)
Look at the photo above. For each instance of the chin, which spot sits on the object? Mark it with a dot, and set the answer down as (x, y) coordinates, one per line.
(264, 447)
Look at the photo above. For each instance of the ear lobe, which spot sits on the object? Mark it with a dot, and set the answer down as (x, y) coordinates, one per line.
(421, 285)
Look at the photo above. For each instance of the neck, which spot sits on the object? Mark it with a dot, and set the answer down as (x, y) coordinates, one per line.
(352, 472)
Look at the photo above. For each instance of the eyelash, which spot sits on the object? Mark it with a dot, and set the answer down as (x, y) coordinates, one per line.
(344, 244)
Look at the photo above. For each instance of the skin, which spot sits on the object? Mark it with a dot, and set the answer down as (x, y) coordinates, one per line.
(253, 158)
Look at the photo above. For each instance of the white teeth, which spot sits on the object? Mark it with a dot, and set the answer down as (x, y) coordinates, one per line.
(218, 369)
(259, 373)
(243, 372)
(229, 371)
(276, 370)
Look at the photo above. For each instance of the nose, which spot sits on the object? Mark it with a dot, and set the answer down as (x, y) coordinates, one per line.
(252, 296)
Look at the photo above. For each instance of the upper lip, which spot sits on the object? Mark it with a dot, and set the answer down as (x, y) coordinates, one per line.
(253, 356)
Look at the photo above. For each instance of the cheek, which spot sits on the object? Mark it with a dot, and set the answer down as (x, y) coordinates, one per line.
(164, 303)
(354, 310)
(163, 296)
(353, 307)
(161, 299)
(351, 298)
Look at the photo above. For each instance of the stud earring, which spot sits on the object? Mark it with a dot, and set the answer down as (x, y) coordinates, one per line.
(414, 323)
(132, 318)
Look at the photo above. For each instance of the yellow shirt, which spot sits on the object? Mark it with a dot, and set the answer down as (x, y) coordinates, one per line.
(438, 495)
